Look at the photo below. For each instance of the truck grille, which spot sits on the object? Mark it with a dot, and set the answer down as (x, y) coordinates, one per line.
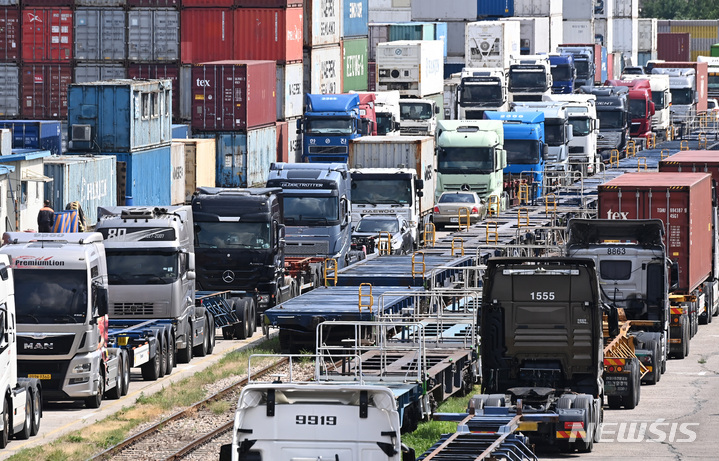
(478, 189)
(307, 249)
(413, 131)
(576, 149)
(56, 368)
(474, 114)
(132, 309)
(52, 345)
(328, 149)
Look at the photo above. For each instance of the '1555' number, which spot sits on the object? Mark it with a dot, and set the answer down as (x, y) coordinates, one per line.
(542, 295)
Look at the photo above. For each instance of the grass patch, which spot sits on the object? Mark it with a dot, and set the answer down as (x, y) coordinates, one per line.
(702, 360)
(89, 441)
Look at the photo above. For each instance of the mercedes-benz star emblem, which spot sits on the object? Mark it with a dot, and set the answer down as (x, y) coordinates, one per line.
(465, 187)
(228, 276)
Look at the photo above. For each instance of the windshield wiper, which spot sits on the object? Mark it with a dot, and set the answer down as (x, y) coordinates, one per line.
(64, 316)
(28, 315)
(152, 278)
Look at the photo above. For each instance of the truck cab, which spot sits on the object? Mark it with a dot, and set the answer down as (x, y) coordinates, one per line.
(558, 131)
(368, 114)
(662, 98)
(329, 123)
(529, 78)
(563, 72)
(582, 114)
(481, 90)
(418, 117)
(386, 105)
(683, 89)
(585, 62)
(713, 74)
(641, 106)
(613, 114)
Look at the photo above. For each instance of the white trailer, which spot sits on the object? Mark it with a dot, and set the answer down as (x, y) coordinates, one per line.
(491, 43)
(413, 67)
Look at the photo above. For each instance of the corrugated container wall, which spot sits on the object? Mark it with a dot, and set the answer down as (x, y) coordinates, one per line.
(5, 141)
(403, 14)
(371, 76)
(578, 31)
(180, 130)
(88, 180)
(154, 3)
(492, 43)
(322, 22)
(177, 173)
(147, 176)
(44, 90)
(604, 9)
(100, 34)
(440, 33)
(9, 90)
(267, 3)
(162, 71)
(208, 3)
(323, 70)
(456, 38)
(533, 33)
(538, 8)
(604, 32)
(268, 33)
(233, 95)
(556, 32)
(647, 40)
(35, 134)
(578, 10)
(123, 115)
(354, 65)
(626, 35)
(289, 91)
(354, 17)
(294, 142)
(378, 33)
(206, 34)
(704, 34)
(152, 35)
(673, 46)
(625, 8)
(100, 3)
(93, 72)
(199, 164)
(46, 34)
(411, 31)
(643, 57)
(456, 10)
(693, 161)
(9, 34)
(391, 152)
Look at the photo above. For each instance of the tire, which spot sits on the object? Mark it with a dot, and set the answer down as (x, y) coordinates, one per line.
(656, 374)
(5, 428)
(170, 341)
(495, 400)
(586, 402)
(26, 430)
(632, 400)
(614, 401)
(185, 355)
(211, 332)
(240, 308)
(151, 369)
(36, 411)
(163, 358)
(253, 318)
(126, 373)
(687, 338)
(201, 349)
(96, 400)
(116, 392)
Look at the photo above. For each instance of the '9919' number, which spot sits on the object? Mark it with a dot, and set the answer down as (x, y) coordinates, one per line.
(542, 295)
(314, 420)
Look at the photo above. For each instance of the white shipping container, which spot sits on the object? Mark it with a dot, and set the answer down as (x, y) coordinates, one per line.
(625, 8)
(604, 33)
(556, 32)
(604, 9)
(395, 15)
(177, 170)
(185, 93)
(533, 33)
(574, 10)
(454, 10)
(456, 38)
(290, 91)
(378, 33)
(578, 31)
(322, 22)
(647, 37)
(294, 142)
(491, 43)
(5, 142)
(323, 70)
(626, 37)
(414, 67)
(538, 8)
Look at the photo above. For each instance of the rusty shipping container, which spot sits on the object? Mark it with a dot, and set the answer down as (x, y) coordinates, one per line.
(199, 164)
(206, 34)
(46, 34)
(44, 90)
(160, 70)
(268, 33)
(100, 34)
(683, 201)
(673, 46)
(322, 23)
(233, 95)
(9, 34)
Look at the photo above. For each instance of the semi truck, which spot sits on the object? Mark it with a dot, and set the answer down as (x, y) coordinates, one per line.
(688, 85)
(588, 62)
(471, 157)
(563, 72)
(613, 113)
(330, 121)
(662, 98)
(582, 115)
(490, 44)
(418, 117)
(529, 78)
(480, 90)
(641, 106)
(386, 106)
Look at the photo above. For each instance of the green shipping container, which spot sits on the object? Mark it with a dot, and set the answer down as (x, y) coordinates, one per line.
(715, 50)
(354, 64)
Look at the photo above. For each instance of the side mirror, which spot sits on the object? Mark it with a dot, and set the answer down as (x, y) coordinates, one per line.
(545, 152)
(282, 243)
(652, 108)
(299, 126)
(436, 109)
(191, 275)
(190, 262)
(102, 300)
(419, 184)
(570, 133)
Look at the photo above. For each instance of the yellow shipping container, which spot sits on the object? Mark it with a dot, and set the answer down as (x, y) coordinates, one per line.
(709, 32)
(200, 169)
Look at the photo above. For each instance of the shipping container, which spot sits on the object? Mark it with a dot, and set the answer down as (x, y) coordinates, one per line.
(371, 76)
(273, 34)
(354, 18)
(199, 164)
(578, 31)
(206, 34)
(100, 34)
(440, 33)
(411, 31)
(243, 159)
(378, 33)
(35, 134)
(538, 8)
(533, 33)
(354, 65)
(456, 38)
(208, 3)
(5, 141)
(177, 173)
(703, 33)
(604, 32)
(268, 3)
(414, 67)
(233, 95)
(694, 161)
(9, 34)
(625, 8)
(488, 9)
(683, 201)
(673, 47)
(647, 39)
(714, 50)
(179, 131)
(46, 34)
(389, 15)
(626, 37)
(282, 146)
(643, 57)
(9, 2)
(146, 176)
(90, 180)
(323, 70)
(84, 73)
(452, 68)
(492, 43)
(186, 84)
(48, 2)
(44, 90)
(9, 90)
(294, 142)
(322, 22)
(152, 34)
(290, 94)
(455, 10)
(154, 3)
(556, 32)
(578, 10)
(99, 3)
(162, 71)
(119, 115)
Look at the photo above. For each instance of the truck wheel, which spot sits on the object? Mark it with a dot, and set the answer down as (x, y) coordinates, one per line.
(116, 392)
(253, 317)
(686, 338)
(185, 355)
(36, 410)
(211, 333)
(5, 433)
(495, 400)
(151, 369)
(96, 400)
(241, 327)
(586, 402)
(170, 341)
(125, 373)
(163, 358)
(656, 373)
(614, 401)
(632, 400)
(24, 433)
(201, 349)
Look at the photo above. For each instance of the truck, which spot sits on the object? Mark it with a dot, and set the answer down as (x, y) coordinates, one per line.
(330, 121)
(542, 343)
(413, 67)
(316, 203)
(368, 116)
(418, 117)
(563, 72)
(490, 44)
(529, 78)
(712, 74)
(582, 114)
(386, 106)
(587, 60)
(21, 405)
(471, 157)
(613, 114)
(641, 106)
(394, 175)
(688, 85)
(662, 98)
(480, 90)
(524, 143)
(62, 323)
(151, 273)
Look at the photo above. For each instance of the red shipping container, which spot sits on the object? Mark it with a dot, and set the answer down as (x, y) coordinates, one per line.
(694, 161)
(268, 3)
(160, 70)
(48, 2)
(674, 46)
(153, 3)
(9, 34)
(46, 34)
(233, 95)
(43, 90)
(208, 3)
(206, 34)
(683, 201)
(282, 142)
(268, 33)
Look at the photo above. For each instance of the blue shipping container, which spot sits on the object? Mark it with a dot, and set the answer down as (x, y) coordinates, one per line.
(147, 176)
(452, 68)
(354, 15)
(123, 115)
(180, 131)
(35, 134)
(440, 33)
(88, 180)
(243, 159)
(495, 8)
(411, 31)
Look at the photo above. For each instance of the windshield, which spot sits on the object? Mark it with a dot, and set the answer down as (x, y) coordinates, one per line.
(328, 126)
(142, 266)
(554, 133)
(457, 198)
(582, 68)
(58, 296)
(466, 160)
(310, 210)
(371, 226)
(563, 72)
(384, 123)
(415, 111)
(384, 190)
(658, 99)
(521, 151)
(479, 93)
(527, 79)
(610, 119)
(713, 81)
(252, 235)
(682, 96)
(580, 126)
(637, 108)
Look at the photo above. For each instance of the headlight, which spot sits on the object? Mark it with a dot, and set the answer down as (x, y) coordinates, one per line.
(82, 368)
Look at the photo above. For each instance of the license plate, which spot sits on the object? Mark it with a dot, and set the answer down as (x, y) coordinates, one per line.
(453, 219)
(39, 376)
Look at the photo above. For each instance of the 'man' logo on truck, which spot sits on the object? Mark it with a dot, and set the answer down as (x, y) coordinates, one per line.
(617, 214)
(38, 346)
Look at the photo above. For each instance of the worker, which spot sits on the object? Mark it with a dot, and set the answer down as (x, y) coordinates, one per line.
(45, 218)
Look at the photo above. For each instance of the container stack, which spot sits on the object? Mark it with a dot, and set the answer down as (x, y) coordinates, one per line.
(389, 11)
(9, 60)
(604, 24)
(355, 45)
(578, 21)
(626, 30)
(538, 20)
(533, 33)
(702, 34)
(322, 55)
(100, 41)
(647, 40)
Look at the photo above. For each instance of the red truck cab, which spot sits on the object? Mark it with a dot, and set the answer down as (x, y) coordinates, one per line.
(641, 107)
(367, 114)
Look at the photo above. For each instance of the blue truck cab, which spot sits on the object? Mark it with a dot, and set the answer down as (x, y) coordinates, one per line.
(563, 73)
(526, 149)
(330, 122)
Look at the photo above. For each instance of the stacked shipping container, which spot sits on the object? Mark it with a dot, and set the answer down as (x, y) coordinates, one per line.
(355, 45)
(702, 34)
